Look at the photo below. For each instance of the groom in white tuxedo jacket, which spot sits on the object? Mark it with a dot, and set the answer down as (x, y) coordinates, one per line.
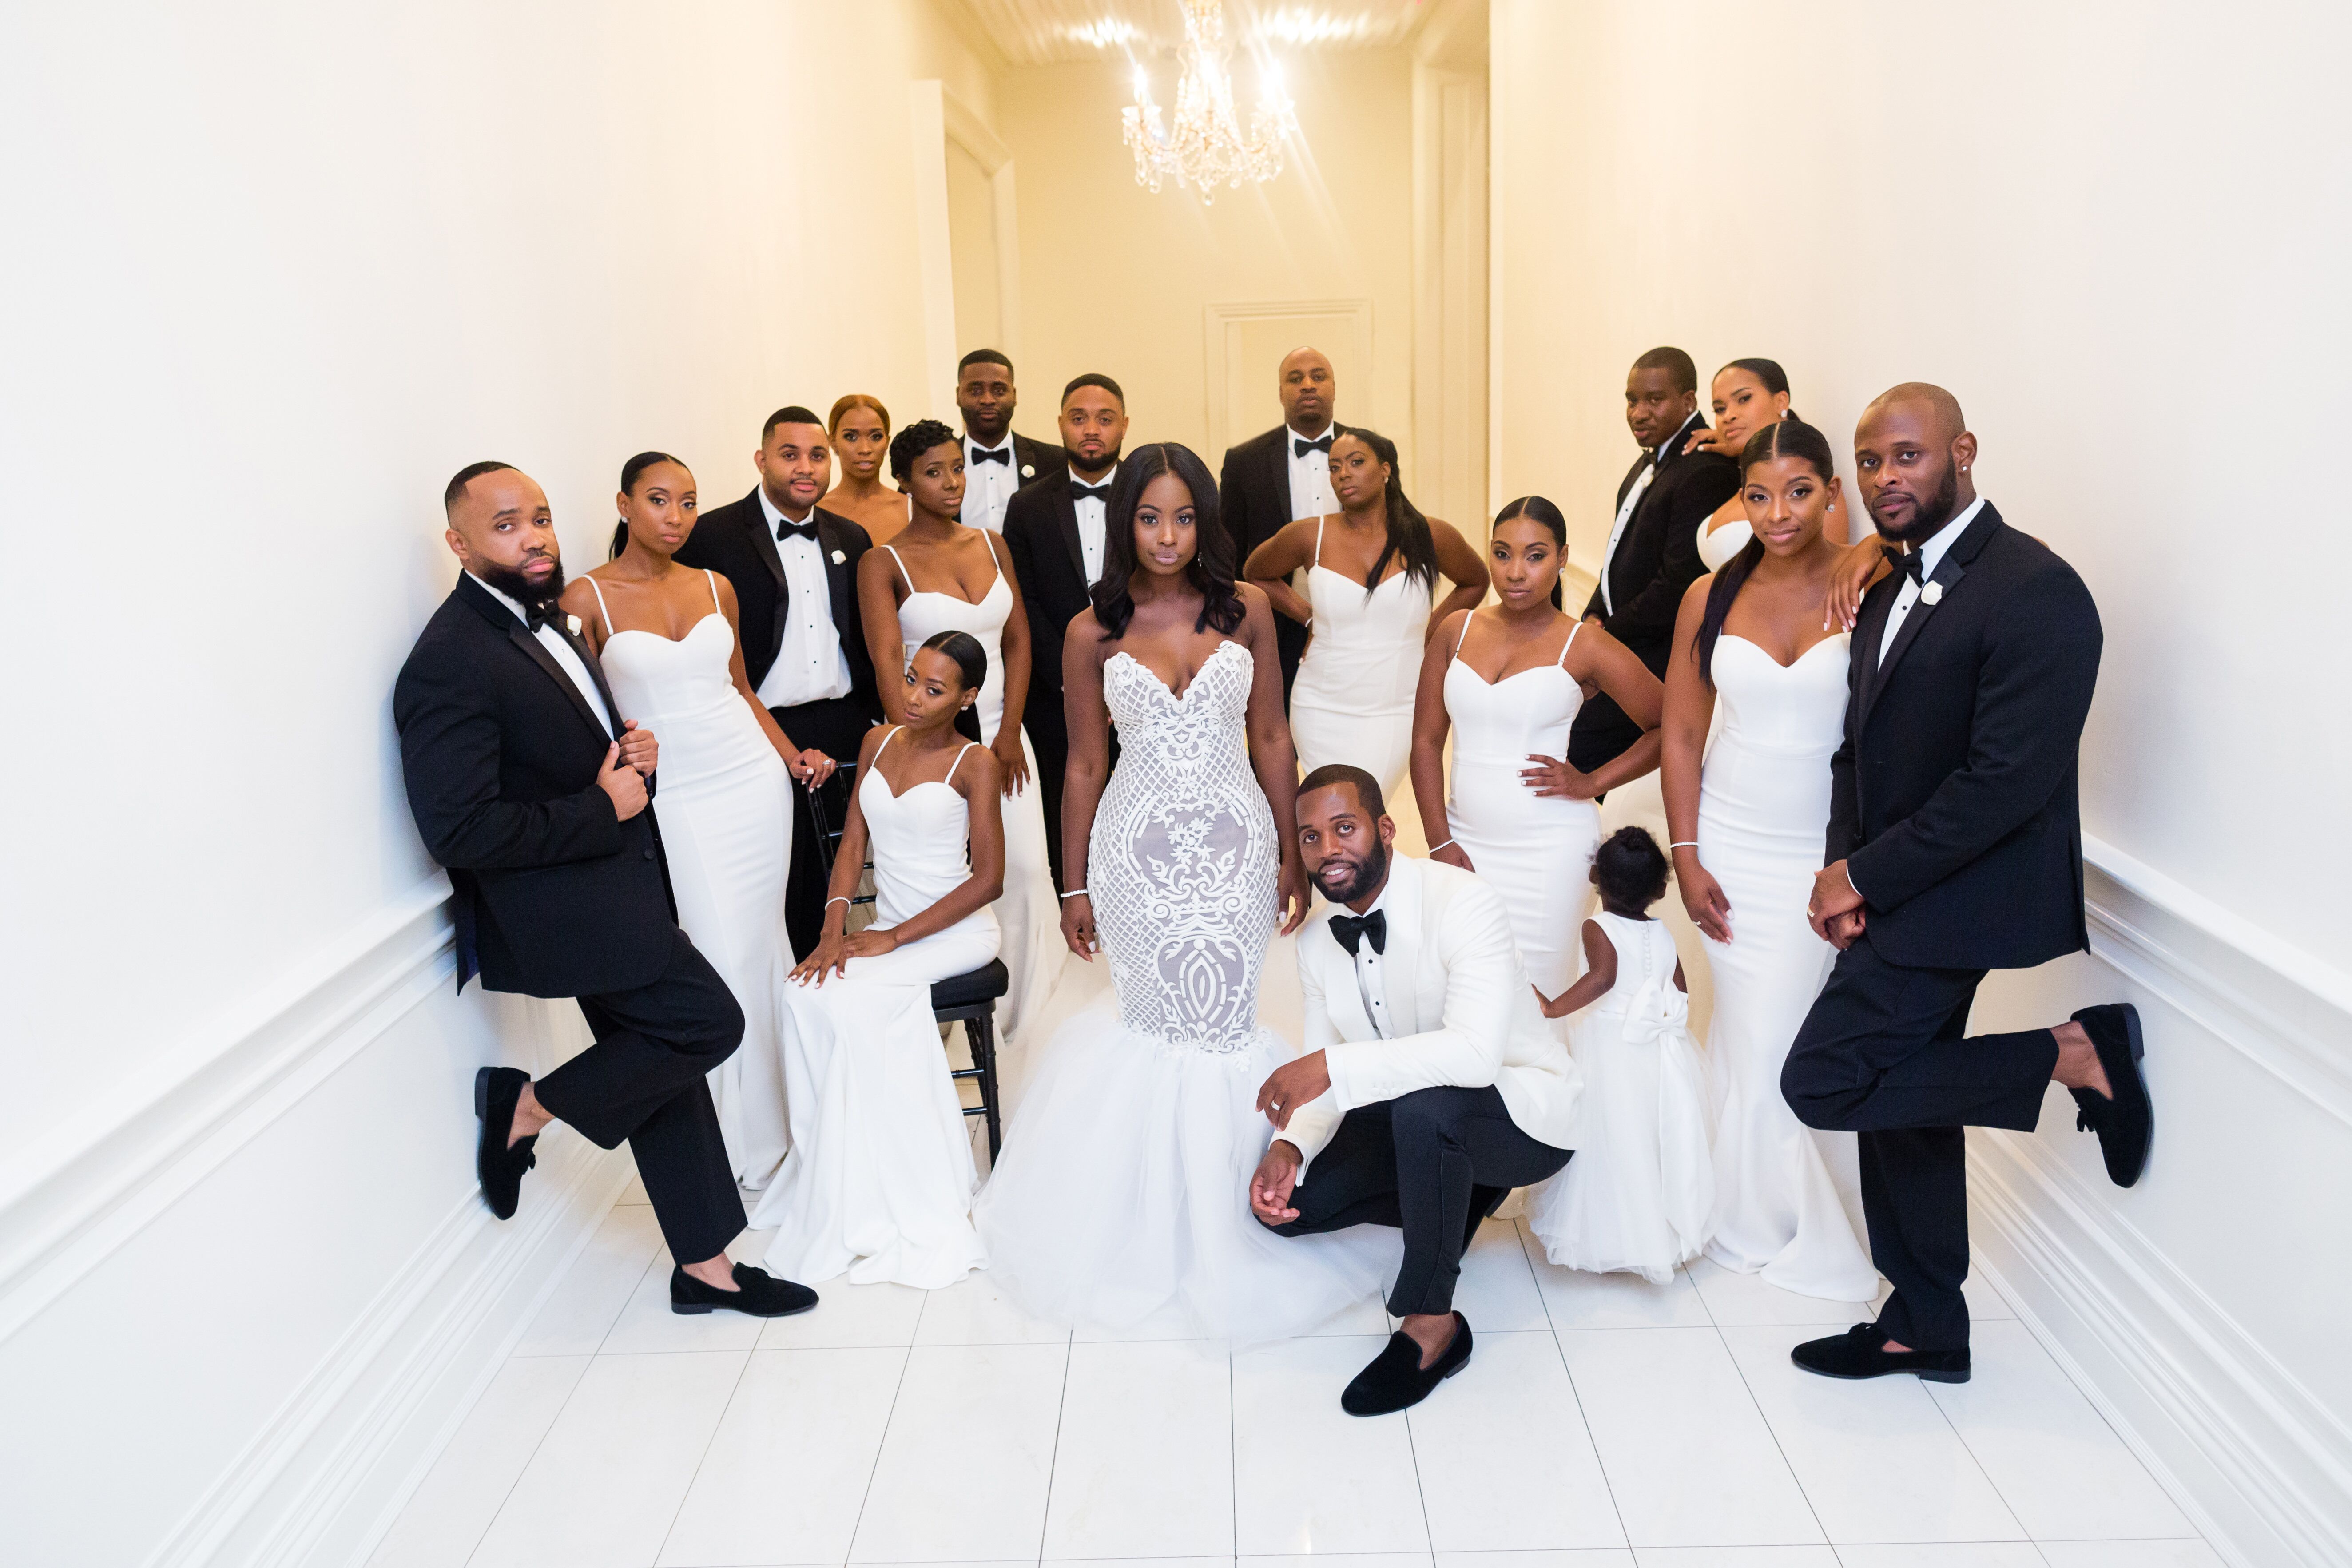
(1430, 1085)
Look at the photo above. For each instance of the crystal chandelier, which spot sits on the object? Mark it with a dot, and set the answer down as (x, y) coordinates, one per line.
(1206, 148)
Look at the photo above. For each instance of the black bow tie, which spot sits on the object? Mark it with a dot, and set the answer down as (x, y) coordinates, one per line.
(1351, 932)
(1299, 446)
(538, 616)
(1912, 564)
(787, 529)
(1001, 455)
(1100, 492)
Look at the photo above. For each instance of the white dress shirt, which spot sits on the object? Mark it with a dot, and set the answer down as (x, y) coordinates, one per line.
(811, 666)
(1093, 524)
(1633, 499)
(1372, 980)
(988, 486)
(1931, 555)
(1311, 476)
(565, 655)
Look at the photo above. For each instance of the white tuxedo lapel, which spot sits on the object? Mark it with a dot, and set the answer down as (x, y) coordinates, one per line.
(1411, 1003)
(1343, 997)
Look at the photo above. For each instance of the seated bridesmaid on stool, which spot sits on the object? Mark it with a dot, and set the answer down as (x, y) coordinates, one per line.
(879, 1180)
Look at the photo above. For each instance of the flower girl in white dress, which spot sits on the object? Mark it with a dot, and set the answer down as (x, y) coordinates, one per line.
(879, 1180)
(1636, 1196)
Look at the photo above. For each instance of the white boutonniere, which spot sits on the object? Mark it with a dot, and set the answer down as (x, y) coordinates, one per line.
(1933, 593)
(839, 559)
(572, 623)
(1028, 470)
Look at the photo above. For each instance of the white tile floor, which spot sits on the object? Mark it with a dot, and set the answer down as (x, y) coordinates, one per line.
(1604, 1423)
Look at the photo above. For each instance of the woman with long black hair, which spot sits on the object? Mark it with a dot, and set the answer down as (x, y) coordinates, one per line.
(1124, 1185)
(1371, 595)
(1507, 680)
(1747, 817)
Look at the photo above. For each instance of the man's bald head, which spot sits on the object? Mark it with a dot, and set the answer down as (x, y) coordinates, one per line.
(501, 529)
(1912, 454)
(1307, 388)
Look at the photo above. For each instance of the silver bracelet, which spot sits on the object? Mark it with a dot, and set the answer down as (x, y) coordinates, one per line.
(1435, 847)
(830, 902)
(1073, 892)
(1685, 844)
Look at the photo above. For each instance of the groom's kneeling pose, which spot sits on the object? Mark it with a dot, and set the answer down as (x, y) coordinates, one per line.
(1430, 1087)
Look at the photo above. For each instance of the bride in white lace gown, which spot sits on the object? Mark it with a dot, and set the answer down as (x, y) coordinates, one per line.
(1123, 1188)
(1748, 829)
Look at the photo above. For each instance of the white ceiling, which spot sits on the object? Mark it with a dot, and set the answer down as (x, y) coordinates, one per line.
(1044, 32)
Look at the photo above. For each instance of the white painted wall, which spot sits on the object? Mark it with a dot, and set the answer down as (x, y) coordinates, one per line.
(274, 272)
(2114, 231)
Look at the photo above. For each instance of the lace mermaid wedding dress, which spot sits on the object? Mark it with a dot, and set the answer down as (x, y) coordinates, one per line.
(1124, 1183)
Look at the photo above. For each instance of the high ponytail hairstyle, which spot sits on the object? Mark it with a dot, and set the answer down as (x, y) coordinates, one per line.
(1769, 372)
(1408, 529)
(1542, 511)
(1790, 437)
(971, 664)
(1209, 573)
(631, 472)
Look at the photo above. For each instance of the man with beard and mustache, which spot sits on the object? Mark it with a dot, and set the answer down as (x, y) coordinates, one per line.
(1277, 478)
(1430, 1086)
(1954, 847)
(997, 460)
(1054, 532)
(525, 786)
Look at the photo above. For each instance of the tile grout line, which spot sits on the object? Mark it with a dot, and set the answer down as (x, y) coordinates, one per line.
(1765, 1416)
(704, 1458)
(906, 1360)
(1053, 1459)
(1234, 1450)
(1966, 1447)
(1581, 1418)
(570, 1395)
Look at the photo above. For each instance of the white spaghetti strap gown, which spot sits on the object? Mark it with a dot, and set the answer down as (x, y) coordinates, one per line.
(1536, 852)
(725, 810)
(1124, 1186)
(878, 1184)
(1763, 809)
(1352, 702)
(1635, 1198)
(1028, 913)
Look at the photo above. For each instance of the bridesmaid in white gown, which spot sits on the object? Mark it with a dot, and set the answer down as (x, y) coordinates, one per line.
(1748, 825)
(1507, 680)
(937, 575)
(879, 1181)
(666, 635)
(1124, 1185)
(1353, 700)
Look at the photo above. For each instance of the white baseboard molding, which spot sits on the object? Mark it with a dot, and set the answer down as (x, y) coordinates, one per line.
(2254, 1455)
(2259, 1463)
(323, 1479)
(70, 1199)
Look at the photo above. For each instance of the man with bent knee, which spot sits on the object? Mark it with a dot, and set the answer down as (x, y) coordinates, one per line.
(1430, 1086)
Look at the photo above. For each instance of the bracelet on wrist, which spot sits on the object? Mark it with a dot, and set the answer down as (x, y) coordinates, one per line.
(1435, 847)
(1074, 893)
(1685, 844)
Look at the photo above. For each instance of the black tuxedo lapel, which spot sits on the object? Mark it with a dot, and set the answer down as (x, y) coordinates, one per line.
(520, 637)
(1281, 481)
(1066, 522)
(1869, 628)
(477, 598)
(764, 545)
(1947, 573)
(840, 587)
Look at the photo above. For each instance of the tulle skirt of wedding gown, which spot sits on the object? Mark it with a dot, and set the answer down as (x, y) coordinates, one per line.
(879, 1180)
(1124, 1190)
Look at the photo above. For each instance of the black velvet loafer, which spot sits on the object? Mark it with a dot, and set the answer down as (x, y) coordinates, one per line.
(1397, 1381)
(2126, 1123)
(757, 1294)
(1861, 1352)
(497, 1167)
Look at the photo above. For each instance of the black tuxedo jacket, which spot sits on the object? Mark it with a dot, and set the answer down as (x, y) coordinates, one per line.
(555, 895)
(1041, 533)
(734, 541)
(1954, 797)
(1254, 498)
(1658, 558)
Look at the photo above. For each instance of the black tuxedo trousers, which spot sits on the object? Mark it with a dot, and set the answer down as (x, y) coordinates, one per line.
(1433, 1164)
(1884, 1053)
(836, 726)
(646, 1081)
